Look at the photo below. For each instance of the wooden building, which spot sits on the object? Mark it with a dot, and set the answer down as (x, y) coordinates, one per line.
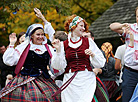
(122, 11)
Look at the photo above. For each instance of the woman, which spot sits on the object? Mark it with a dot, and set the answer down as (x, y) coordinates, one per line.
(20, 39)
(75, 55)
(108, 75)
(32, 82)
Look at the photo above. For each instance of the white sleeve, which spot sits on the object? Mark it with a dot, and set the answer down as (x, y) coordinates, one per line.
(98, 59)
(48, 29)
(58, 60)
(11, 56)
(117, 53)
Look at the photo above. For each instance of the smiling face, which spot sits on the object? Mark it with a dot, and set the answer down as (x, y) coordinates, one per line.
(38, 37)
(79, 30)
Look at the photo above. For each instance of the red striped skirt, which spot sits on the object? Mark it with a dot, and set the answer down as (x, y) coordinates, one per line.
(111, 87)
(30, 89)
(101, 94)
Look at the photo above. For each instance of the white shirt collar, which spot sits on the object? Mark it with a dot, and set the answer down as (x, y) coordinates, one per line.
(74, 45)
(39, 49)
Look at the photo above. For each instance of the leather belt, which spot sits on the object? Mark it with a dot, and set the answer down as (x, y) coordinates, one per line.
(133, 70)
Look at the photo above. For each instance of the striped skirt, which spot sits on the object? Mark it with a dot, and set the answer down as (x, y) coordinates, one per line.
(30, 89)
(101, 94)
(111, 87)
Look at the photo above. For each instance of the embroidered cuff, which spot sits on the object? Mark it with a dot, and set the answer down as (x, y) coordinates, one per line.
(11, 46)
(130, 46)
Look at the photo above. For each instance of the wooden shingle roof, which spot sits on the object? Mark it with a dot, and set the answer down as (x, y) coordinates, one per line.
(122, 11)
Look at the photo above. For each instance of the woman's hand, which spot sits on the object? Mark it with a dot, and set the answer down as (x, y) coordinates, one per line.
(89, 52)
(12, 38)
(56, 44)
(97, 70)
(39, 14)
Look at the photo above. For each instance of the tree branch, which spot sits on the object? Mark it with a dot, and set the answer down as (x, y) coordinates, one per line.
(77, 3)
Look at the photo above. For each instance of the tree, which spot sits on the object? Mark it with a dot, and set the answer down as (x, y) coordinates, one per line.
(90, 10)
(17, 15)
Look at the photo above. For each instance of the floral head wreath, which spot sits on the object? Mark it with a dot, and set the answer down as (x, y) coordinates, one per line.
(74, 22)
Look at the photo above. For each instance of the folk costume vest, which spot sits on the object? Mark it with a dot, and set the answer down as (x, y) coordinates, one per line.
(76, 58)
(23, 57)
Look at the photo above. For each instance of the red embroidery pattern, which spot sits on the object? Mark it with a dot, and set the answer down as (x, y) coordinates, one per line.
(136, 54)
(17, 52)
(76, 41)
(38, 50)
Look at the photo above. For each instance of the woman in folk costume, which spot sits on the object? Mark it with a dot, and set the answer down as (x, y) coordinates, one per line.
(75, 55)
(32, 82)
(109, 74)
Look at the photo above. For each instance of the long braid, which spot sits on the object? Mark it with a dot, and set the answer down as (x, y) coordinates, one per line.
(107, 48)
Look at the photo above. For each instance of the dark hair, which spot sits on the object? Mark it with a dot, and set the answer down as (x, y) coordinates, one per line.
(18, 37)
(61, 35)
(1, 45)
(35, 30)
(20, 34)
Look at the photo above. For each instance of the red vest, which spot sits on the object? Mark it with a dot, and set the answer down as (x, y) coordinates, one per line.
(76, 58)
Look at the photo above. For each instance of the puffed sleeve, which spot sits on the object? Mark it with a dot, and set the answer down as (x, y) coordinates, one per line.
(48, 29)
(51, 67)
(11, 56)
(98, 59)
(58, 60)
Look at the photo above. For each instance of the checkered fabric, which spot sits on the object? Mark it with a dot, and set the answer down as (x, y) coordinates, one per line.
(36, 90)
(107, 48)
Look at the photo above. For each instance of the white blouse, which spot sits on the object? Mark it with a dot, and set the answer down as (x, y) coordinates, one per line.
(11, 55)
(59, 62)
(83, 86)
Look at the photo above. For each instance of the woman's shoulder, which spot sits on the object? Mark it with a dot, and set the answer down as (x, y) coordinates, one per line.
(111, 59)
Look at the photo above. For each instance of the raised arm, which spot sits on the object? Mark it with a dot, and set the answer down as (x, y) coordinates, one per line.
(48, 29)
(10, 56)
(39, 15)
(118, 27)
